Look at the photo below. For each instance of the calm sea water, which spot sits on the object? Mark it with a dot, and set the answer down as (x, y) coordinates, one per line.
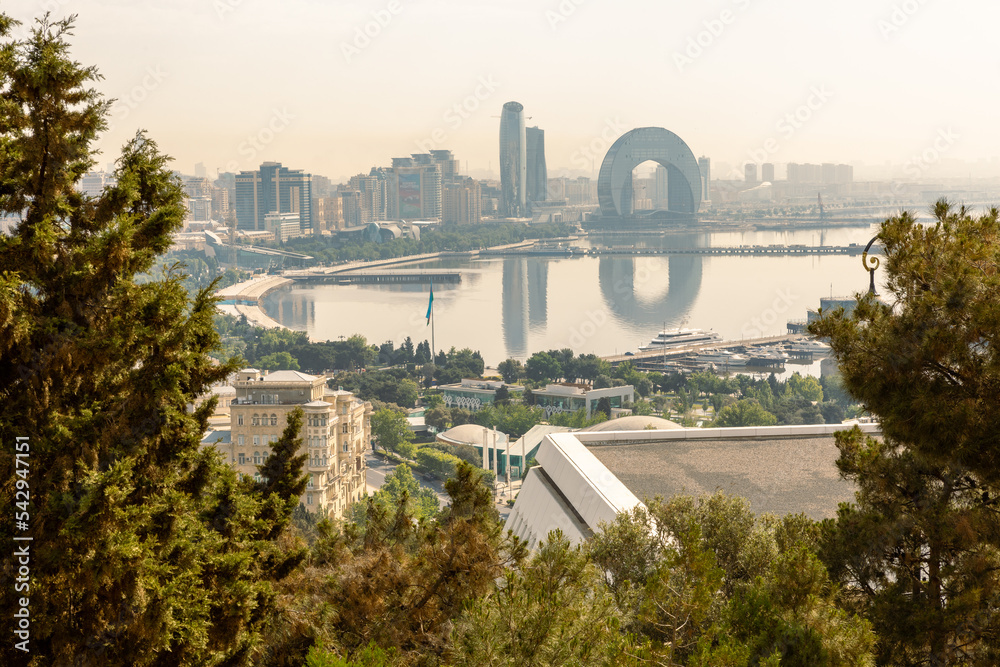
(515, 306)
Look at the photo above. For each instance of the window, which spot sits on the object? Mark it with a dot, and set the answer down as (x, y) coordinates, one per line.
(312, 481)
(256, 441)
(347, 447)
(344, 430)
(239, 420)
(256, 458)
(241, 441)
(274, 420)
(256, 420)
(242, 458)
(256, 477)
(309, 499)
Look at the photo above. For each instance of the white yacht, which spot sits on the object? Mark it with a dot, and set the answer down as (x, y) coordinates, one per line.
(673, 338)
(722, 360)
(808, 346)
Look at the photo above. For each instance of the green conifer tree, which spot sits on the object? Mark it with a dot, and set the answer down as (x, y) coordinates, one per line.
(146, 548)
(919, 550)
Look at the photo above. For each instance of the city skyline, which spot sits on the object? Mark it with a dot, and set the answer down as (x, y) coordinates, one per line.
(736, 79)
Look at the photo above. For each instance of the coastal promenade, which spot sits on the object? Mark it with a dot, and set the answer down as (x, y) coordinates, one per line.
(244, 298)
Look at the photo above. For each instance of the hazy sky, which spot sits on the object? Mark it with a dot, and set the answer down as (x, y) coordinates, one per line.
(231, 83)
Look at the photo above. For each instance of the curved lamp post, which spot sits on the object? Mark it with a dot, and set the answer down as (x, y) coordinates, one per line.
(870, 264)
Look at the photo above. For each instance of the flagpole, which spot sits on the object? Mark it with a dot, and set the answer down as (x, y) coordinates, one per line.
(433, 348)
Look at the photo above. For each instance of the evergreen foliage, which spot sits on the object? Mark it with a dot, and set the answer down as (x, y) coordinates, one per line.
(919, 549)
(147, 549)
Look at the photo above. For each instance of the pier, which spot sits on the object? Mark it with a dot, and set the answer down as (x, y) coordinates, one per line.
(737, 251)
(393, 277)
(655, 360)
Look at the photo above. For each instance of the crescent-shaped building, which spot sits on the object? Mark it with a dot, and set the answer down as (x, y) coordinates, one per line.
(614, 183)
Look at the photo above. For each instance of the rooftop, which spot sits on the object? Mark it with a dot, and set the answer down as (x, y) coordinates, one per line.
(290, 376)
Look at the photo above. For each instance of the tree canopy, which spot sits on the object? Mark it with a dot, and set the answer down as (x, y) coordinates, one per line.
(147, 548)
(920, 547)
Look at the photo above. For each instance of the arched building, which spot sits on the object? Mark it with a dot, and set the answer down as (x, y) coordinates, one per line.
(644, 144)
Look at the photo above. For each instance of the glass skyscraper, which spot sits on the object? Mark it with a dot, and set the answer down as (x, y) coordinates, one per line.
(513, 162)
(538, 174)
(273, 189)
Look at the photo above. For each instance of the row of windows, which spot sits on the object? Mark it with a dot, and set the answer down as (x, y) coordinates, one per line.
(258, 458)
(259, 420)
(258, 440)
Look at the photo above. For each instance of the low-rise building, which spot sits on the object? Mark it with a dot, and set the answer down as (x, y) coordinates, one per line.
(335, 433)
(571, 397)
(474, 394)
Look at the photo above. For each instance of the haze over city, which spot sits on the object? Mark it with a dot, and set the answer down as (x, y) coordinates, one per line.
(335, 88)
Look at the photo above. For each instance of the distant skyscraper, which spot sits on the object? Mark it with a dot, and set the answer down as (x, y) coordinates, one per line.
(92, 183)
(513, 162)
(200, 171)
(705, 165)
(660, 191)
(414, 189)
(273, 189)
(767, 172)
(462, 202)
(750, 173)
(537, 173)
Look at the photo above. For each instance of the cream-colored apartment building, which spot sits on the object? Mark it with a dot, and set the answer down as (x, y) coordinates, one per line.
(336, 431)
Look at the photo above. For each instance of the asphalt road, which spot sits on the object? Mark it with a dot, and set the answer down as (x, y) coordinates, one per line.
(378, 469)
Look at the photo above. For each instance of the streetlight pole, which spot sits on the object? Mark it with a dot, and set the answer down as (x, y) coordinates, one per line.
(870, 264)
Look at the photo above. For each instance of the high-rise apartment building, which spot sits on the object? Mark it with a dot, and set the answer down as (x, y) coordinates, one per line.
(373, 194)
(448, 164)
(415, 188)
(750, 173)
(335, 434)
(537, 173)
(198, 187)
(462, 202)
(220, 204)
(767, 172)
(273, 189)
(92, 183)
(705, 166)
(352, 210)
(328, 212)
(198, 208)
(660, 189)
(513, 162)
